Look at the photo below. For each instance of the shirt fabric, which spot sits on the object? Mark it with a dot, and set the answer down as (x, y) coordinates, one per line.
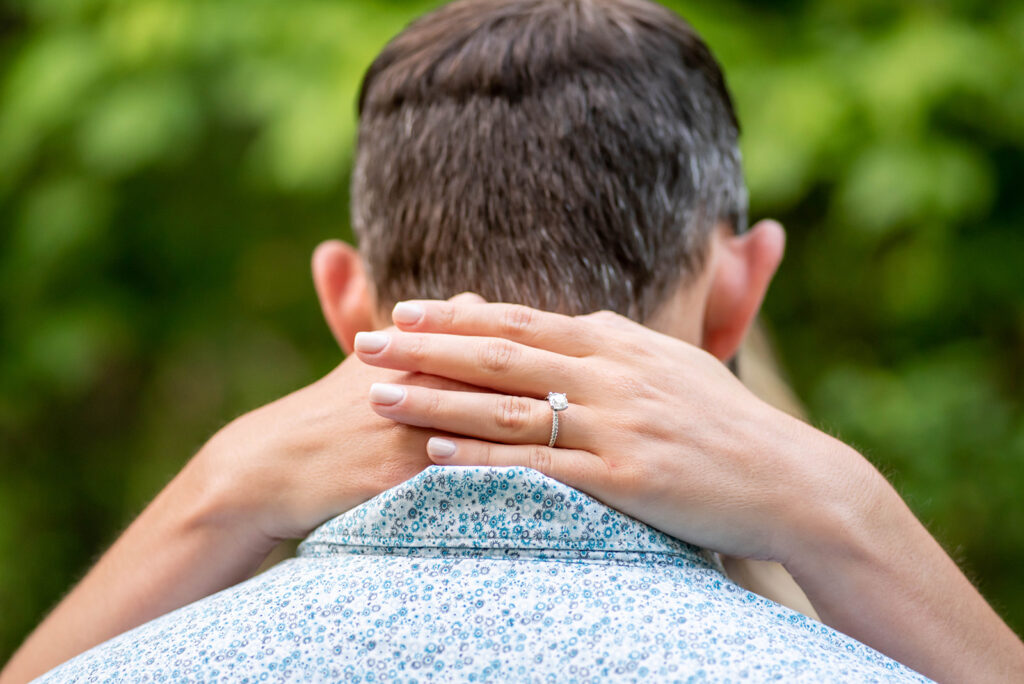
(485, 574)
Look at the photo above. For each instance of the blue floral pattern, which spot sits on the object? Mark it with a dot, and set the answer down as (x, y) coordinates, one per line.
(485, 574)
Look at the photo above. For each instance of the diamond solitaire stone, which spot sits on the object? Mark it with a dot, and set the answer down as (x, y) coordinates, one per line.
(558, 401)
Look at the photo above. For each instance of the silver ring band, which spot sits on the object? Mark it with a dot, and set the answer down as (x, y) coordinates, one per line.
(558, 402)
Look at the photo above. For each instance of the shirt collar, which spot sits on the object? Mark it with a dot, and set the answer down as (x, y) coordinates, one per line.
(479, 511)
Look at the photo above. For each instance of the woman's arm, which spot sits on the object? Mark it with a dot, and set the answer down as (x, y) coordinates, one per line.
(183, 547)
(664, 432)
(759, 371)
(275, 473)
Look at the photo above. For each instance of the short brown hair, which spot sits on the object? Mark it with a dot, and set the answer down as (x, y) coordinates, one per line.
(571, 155)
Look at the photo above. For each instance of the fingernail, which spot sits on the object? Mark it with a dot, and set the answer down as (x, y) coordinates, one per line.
(407, 313)
(383, 393)
(371, 342)
(438, 447)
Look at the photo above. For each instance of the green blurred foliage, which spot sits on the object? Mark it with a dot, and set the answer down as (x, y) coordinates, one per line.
(166, 168)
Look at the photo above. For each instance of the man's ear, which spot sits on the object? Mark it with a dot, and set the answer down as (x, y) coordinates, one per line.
(343, 290)
(743, 267)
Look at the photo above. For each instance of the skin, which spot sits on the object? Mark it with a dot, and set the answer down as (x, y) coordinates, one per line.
(657, 427)
(272, 474)
(661, 430)
(747, 480)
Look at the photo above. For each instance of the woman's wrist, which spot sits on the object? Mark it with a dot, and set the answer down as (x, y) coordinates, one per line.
(832, 502)
(845, 526)
(231, 488)
(277, 472)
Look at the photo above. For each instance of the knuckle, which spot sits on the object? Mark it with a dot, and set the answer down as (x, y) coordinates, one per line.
(497, 356)
(616, 321)
(416, 348)
(516, 321)
(608, 324)
(488, 457)
(539, 458)
(605, 316)
(434, 405)
(634, 347)
(513, 413)
(446, 316)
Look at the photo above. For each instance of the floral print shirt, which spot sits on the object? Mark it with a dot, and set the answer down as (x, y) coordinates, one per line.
(485, 574)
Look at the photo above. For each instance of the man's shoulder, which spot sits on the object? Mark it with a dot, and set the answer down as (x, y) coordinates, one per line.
(486, 573)
(406, 616)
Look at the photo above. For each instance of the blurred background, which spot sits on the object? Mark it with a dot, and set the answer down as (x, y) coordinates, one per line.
(166, 168)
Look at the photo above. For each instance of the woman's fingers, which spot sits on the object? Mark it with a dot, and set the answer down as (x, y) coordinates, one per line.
(499, 364)
(467, 298)
(494, 417)
(576, 468)
(540, 329)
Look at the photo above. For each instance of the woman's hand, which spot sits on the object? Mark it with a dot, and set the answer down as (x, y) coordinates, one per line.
(663, 431)
(656, 427)
(274, 473)
(282, 469)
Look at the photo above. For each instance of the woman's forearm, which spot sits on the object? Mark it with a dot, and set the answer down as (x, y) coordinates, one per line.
(872, 571)
(663, 432)
(183, 546)
(274, 473)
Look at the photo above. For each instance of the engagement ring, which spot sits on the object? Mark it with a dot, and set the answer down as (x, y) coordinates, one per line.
(558, 402)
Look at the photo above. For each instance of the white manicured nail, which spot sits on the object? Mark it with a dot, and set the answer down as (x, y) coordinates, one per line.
(407, 313)
(371, 342)
(383, 393)
(438, 447)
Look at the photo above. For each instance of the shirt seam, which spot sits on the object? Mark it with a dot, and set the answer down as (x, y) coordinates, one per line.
(696, 559)
(380, 540)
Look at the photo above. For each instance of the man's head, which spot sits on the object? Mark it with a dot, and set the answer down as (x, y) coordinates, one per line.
(572, 155)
